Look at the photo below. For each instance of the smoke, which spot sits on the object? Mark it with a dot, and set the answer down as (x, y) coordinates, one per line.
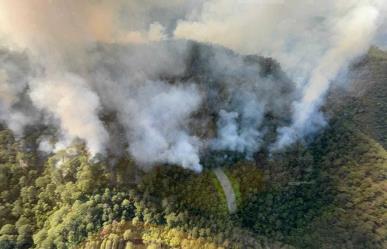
(14, 67)
(154, 113)
(248, 96)
(158, 113)
(82, 66)
(74, 106)
(354, 34)
(56, 26)
(313, 40)
(230, 138)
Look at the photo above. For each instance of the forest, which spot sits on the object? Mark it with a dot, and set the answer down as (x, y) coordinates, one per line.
(330, 193)
(187, 144)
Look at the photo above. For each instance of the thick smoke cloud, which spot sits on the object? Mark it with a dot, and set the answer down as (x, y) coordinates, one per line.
(154, 114)
(13, 82)
(159, 112)
(248, 98)
(82, 66)
(313, 40)
(74, 106)
(355, 32)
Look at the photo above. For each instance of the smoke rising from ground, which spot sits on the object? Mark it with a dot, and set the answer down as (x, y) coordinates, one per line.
(160, 112)
(13, 82)
(355, 32)
(82, 65)
(74, 106)
(313, 40)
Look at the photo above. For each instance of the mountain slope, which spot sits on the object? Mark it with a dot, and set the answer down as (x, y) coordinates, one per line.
(363, 102)
(330, 193)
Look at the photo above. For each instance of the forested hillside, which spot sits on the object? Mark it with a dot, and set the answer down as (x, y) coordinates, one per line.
(60, 203)
(329, 193)
(363, 101)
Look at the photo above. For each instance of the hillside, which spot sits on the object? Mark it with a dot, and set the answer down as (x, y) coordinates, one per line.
(126, 235)
(329, 193)
(363, 99)
(336, 199)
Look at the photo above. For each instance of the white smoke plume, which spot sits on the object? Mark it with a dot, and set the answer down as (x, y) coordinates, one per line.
(69, 100)
(13, 82)
(354, 34)
(313, 40)
(160, 112)
(155, 114)
(248, 98)
(231, 138)
(82, 65)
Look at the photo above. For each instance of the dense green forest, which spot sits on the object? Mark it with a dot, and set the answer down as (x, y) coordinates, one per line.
(328, 194)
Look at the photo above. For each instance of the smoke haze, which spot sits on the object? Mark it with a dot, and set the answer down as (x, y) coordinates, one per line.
(81, 65)
(313, 40)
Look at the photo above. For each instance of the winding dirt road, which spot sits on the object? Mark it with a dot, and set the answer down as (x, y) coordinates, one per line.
(227, 189)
